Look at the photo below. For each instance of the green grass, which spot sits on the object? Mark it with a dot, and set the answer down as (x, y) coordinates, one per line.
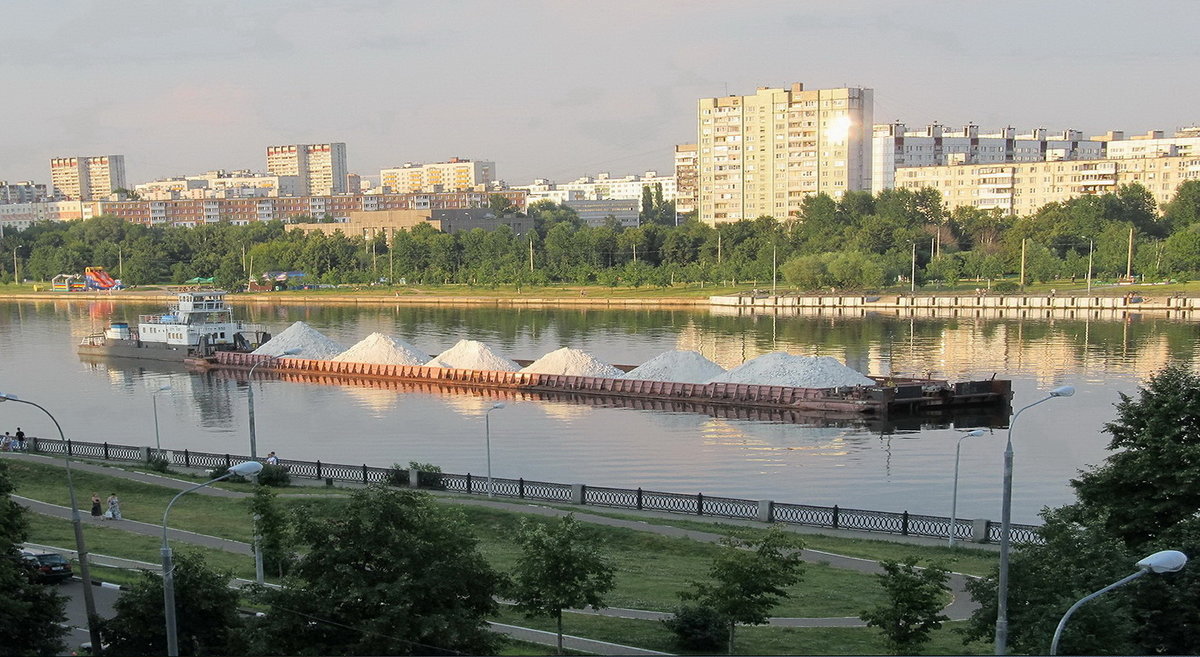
(759, 640)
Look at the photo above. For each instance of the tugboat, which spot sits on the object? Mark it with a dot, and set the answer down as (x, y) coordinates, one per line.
(196, 327)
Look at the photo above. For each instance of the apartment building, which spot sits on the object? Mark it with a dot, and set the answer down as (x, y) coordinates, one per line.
(1186, 142)
(321, 168)
(1021, 188)
(87, 178)
(453, 175)
(369, 224)
(762, 154)
(894, 146)
(242, 211)
(686, 191)
(25, 191)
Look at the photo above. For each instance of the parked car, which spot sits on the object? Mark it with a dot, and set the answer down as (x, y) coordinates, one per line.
(46, 566)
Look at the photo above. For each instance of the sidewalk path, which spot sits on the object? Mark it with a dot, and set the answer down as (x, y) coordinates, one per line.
(960, 607)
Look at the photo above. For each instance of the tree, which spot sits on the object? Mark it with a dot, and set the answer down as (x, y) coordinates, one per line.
(1140, 500)
(749, 577)
(393, 573)
(32, 613)
(206, 616)
(915, 599)
(275, 539)
(559, 568)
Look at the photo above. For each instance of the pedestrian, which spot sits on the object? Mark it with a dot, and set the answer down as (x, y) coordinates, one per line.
(272, 459)
(114, 508)
(20, 436)
(96, 513)
(5, 442)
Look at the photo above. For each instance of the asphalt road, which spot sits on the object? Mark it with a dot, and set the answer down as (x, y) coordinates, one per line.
(104, 598)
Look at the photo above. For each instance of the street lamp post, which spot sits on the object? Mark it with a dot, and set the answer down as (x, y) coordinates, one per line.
(1167, 561)
(85, 574)
(1091, 249)
(1005, 534)
(487, 435)
(154, 398)
(250, 395)
(246, 469)
(954, 496)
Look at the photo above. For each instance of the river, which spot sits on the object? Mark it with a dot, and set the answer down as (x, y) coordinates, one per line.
(909, 467)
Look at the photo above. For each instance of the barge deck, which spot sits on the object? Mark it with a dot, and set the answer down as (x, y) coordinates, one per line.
(891, 396)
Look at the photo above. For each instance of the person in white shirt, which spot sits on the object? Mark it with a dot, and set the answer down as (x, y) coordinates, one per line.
(272, 459)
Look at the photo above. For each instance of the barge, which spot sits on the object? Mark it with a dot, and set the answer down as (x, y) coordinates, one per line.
(889, 396)
(198, 325)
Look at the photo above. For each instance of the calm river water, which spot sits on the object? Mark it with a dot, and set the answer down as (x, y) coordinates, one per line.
(870, 467)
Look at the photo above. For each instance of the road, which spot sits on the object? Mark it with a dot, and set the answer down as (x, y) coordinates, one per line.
(104, 597)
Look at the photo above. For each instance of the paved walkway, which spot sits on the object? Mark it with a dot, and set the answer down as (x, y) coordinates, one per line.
(960, 607)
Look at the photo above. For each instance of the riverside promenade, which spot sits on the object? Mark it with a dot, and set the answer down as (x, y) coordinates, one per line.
(959, 608)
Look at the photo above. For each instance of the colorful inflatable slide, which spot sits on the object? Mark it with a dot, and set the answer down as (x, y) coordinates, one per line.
(98, 279)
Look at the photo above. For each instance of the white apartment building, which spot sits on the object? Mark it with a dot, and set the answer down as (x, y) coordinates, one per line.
(544, 190)
(87, 177)
(604, 186)
(595, 212)
(220, 184)
(762, 154)
(894, 146)
(25, 191)
(321, 168)
(456, 174)
(1186, 142)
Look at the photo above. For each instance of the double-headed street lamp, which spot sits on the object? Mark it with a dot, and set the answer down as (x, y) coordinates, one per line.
(85, 574)
(954, 496)
(1167, 561)
(250, 395)
(487, 435)
(1005, 533)
(246, 469)
(154, 398)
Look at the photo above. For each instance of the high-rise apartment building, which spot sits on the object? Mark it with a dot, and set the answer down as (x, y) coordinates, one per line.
(87, 178)
(320, 167)
(450, 176)
(685, 179)
(762, 154)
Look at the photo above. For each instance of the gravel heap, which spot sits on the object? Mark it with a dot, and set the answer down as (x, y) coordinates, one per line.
(312, 344)
(572, 362)
(472, 355)
(383, 350)
(681, 366)
(783, 369)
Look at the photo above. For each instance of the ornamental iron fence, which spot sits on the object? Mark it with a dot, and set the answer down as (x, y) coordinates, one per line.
(835, 517)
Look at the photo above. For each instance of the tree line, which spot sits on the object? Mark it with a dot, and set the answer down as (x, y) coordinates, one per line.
(860, 241)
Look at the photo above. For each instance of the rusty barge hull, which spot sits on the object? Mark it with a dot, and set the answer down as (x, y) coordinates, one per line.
(890, 397)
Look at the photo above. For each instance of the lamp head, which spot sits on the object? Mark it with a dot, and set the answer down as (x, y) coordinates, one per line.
(496, 405)
(1167, 561)
(974, 433)
(290, 352)
(4, 396)
(1063, 391)
(247, 469)
(163, 389)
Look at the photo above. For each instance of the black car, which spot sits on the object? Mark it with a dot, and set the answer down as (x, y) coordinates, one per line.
(46, 566)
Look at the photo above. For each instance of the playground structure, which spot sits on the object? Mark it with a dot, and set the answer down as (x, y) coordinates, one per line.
(68, 283)
(93, 278)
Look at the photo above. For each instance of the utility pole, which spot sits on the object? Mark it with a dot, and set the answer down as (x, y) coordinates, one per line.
(1091, 248)
(912, 281)
(718, 246)
(774, 269)
(531, 253)
(1129, 258)
(16, 278)
(120, 262)
(1022, 264)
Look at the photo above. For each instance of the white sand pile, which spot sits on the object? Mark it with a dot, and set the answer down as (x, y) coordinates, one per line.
(681, 366)
(783, 369)
(310, 342)
(472, 355)
(383, 350)
(572, 362)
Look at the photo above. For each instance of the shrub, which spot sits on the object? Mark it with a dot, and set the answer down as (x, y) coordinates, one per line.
(158, 463)
(274, 475)
(697, 627)
(398, 476)
(1005, 287)
(428, 475)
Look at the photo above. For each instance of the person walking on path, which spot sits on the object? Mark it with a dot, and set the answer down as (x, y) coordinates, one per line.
(20, 436)
(96, 512)
(272, 459)
(114, 508)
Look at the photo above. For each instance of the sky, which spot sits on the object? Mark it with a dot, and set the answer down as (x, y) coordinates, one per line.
(553, 89)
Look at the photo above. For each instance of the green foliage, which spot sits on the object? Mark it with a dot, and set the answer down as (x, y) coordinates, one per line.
(32, 613)
(558, 569)
(428, 475)
(393, 573)
(206, 616)
(749, 577)
(696, 627)
(158, 463)
(397, 475)
(274, 475)
(274, 531)
(913, 610)
(1141, 499)
(1006, 287)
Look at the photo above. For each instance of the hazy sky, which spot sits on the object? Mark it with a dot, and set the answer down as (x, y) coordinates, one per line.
(553, 89)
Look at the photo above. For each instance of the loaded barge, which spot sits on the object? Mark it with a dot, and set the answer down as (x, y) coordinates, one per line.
(890, 396)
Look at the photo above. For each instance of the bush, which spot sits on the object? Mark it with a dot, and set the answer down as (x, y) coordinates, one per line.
(274, 475)
(697, 628)
(158, 463)
(398, 476)
(1005, 287)
(428, 475)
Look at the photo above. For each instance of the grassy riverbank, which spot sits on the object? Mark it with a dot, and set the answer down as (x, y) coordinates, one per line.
(651, 568)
